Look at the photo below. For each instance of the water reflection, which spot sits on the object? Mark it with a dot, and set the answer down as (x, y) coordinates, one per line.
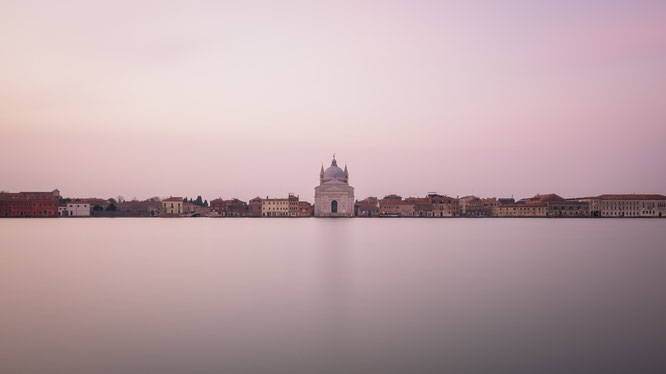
(335, 279)
(331, 295)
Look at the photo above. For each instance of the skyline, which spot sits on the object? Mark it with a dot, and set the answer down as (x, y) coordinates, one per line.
(225, 100)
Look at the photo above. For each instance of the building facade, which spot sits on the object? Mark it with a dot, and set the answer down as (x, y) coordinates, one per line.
(444, 206)
(368, 207)
(305, 209)
(334, 197)
(148, 208)
(75, 208)
(632, 205)
(30, 204)
(172, 206)
(394, 206)
(254, 207)
(568, 208)
(275, 207)
(293, 205)
(521, 210)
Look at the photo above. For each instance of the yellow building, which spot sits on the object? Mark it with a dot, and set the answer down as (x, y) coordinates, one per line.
(275, 207)
(520, 210)
(172, 206)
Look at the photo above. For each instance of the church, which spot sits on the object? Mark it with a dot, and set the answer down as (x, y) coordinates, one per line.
(334, 197)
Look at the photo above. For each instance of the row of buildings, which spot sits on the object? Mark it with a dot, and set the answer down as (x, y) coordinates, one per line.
(548, 205)
(334, 197)
(51, 204)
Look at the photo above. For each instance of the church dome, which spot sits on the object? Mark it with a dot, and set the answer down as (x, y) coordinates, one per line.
(334, 173)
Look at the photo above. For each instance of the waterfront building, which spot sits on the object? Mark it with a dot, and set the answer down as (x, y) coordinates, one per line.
(254, 207)
(594, 205)
(188, 208)
(172, 206)
(422, 206)
(368, 207)
(75, 208)
(488, 205)
(275, 207)
(30, 204)
(201, 211)
(97, 205)
(218, 207)
(225, 208)
(305, 209)
(469, 204)
(444, 206)
(334, 197)
(472, 206)
(236, 208)
(632, 205)
(148, 208)
(568, 208)
(293, 205)
(521, 210)
(394, 206)
(536, 206)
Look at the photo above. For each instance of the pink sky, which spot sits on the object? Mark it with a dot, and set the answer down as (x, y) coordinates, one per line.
(248, 98)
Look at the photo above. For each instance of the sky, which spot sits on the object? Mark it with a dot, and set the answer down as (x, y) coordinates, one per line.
(249, 98)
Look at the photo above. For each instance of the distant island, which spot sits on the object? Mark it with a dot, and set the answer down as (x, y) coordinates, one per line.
(334, 197)
(52, 204)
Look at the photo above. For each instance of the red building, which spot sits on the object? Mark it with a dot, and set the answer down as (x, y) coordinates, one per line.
(368, 207)
(236, 208)
(444, 206)
(229, 208)
(422, 206)
(29, 204)
(305, 209)
(254, 207)
(218, 206)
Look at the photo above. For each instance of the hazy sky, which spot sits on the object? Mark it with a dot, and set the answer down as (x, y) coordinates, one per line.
(248, 98)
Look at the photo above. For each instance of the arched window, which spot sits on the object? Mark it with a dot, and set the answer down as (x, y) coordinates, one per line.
(334, 206)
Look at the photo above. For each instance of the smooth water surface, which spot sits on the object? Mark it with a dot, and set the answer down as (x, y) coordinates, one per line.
(314, 295)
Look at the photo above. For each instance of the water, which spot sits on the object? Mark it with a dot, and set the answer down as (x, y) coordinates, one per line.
(332, 295)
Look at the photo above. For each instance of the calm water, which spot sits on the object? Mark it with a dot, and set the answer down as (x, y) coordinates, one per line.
(332, 295)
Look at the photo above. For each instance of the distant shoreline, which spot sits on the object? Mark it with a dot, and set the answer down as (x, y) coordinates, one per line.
(363, 217)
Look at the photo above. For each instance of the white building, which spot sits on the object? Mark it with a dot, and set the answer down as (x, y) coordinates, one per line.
(75, 209)
(632, 205)
(334, 197)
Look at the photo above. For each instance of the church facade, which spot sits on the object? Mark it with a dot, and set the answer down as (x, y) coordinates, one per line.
(334, 197)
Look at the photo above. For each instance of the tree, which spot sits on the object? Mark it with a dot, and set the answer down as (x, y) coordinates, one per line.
(111, 200)
(206, 203)
(111, 207)
(198, 201)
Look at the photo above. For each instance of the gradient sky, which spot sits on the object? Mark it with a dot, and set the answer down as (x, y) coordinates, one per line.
(248, 98)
